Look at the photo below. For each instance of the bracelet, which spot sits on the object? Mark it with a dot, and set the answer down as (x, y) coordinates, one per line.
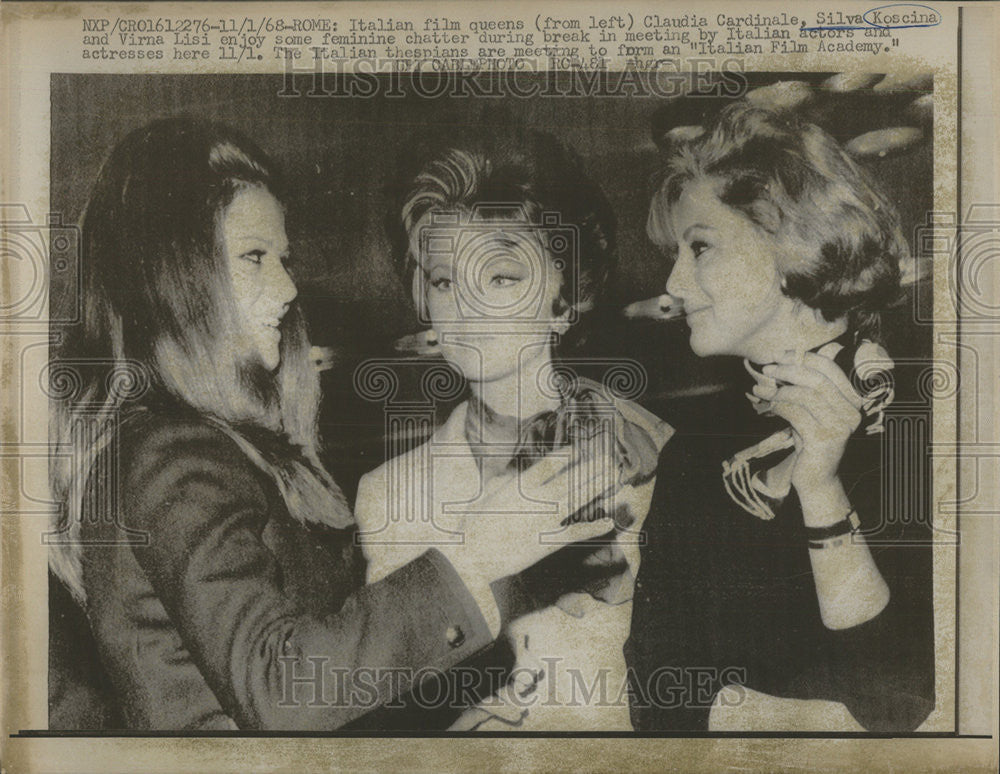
(835, 534)
(831, 543)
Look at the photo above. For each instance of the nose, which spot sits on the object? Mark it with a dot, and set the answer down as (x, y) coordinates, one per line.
(283, 288)
(678, 283)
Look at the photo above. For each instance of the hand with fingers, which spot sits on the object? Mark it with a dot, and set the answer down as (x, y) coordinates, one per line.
(523, 516)
(817, 399)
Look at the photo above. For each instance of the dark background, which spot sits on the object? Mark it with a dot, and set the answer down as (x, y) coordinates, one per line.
(341, 157)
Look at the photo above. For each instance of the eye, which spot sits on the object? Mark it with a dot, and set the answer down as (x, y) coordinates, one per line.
(503, 280)
(253, 256)
(698, 247)
(441, 283)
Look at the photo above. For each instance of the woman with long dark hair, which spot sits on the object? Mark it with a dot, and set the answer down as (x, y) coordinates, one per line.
(771, 577)
(211, 551)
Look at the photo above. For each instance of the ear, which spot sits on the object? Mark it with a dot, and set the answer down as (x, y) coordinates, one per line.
(568, 314)
(563, 314)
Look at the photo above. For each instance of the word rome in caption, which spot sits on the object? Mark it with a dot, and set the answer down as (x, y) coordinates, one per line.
(590, 42)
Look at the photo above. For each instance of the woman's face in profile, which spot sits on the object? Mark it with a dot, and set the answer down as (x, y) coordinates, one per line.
(725, 273)
(252, 230)
(490, 296)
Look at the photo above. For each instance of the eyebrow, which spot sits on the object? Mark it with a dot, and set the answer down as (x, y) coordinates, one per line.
(693, 226)
(252, 238)
(438, 264)
(507, 241)
(255, 238)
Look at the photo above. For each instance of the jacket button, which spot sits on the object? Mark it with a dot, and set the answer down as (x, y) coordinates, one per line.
(455, 636)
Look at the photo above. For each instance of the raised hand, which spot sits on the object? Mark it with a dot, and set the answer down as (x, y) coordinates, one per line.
(823, 408)
(523, 516)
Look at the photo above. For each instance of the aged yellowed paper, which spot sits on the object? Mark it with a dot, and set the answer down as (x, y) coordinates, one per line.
(327, 328)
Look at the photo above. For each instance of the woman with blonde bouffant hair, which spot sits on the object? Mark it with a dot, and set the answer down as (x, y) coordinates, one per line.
(510, 244)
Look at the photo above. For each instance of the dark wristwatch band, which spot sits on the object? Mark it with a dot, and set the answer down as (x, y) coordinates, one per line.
(850, 523)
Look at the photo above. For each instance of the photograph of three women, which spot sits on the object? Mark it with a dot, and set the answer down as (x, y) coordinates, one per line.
(591, 413)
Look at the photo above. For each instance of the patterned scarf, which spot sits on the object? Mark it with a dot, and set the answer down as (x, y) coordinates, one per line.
(501, 443)
(756, 478)
(587, 418)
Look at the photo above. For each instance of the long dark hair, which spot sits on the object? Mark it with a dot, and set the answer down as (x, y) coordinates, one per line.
(158, 306)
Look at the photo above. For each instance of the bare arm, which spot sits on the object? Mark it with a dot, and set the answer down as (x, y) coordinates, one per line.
(824, 410)
(849, 586)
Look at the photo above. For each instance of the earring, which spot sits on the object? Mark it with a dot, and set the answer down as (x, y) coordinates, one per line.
(431, 337)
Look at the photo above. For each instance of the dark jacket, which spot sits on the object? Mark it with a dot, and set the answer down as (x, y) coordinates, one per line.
(723, 597)
(233, 612)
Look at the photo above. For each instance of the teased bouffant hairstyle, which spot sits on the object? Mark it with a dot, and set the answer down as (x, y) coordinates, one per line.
(526, 174)
(158, 307)
(794, 181)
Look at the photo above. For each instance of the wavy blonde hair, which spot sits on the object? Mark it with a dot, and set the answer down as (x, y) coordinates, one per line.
(524, 175)
(794, 181)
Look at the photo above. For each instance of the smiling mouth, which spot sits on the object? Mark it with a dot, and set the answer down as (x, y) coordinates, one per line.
(470, 338)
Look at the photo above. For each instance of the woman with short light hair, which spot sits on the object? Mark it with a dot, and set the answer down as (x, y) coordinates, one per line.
(770, 576)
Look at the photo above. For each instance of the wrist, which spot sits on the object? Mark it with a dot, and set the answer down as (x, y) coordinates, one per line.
(477, 584)
(823, 503)
(838, 534)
